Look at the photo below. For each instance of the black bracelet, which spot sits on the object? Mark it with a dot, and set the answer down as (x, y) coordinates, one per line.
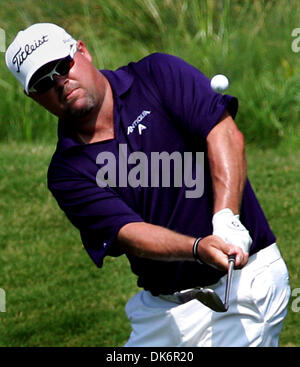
(195, 250)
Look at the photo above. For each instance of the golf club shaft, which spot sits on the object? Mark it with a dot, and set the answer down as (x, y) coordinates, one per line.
(231, 261)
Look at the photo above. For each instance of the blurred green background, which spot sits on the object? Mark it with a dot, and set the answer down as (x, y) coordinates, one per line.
(55, 296)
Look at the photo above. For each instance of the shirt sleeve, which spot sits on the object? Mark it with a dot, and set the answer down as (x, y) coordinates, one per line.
(187, 95)
(98, 213)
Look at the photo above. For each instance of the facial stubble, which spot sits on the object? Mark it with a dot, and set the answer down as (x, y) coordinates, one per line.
(72, 112)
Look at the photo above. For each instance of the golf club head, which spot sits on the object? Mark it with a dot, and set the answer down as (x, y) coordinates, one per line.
(210, 299)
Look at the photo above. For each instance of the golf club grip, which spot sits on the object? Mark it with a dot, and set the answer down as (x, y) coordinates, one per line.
(231, 258)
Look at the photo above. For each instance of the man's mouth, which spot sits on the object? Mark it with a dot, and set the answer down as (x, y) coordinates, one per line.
(69, 94)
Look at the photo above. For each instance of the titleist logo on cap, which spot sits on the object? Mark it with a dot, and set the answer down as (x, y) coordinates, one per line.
(22, 55)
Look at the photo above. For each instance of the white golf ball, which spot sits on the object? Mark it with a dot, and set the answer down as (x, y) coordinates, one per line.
(219, 83)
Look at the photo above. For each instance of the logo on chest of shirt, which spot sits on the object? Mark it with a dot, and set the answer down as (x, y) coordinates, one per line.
(137, 123)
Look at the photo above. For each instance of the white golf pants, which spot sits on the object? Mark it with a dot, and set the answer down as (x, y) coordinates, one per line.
(258, 305)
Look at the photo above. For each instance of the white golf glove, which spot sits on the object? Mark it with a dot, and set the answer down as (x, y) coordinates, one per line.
(228, 226)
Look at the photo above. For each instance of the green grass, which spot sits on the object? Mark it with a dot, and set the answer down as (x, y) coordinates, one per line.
(56, 296)
(249, 41)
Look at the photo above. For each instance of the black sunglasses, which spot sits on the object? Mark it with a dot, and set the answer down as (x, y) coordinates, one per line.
(46, 82)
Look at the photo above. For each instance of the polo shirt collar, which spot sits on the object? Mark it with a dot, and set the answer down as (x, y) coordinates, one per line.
(120, 81)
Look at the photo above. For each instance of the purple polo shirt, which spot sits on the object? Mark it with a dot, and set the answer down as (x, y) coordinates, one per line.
(162, 105)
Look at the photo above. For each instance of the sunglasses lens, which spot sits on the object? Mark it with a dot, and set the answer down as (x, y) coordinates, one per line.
(64, 66)
(44, 84)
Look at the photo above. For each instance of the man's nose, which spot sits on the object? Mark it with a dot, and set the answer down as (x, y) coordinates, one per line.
(60, 80)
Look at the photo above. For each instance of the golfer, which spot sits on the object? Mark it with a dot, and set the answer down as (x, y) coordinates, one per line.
(150, 163)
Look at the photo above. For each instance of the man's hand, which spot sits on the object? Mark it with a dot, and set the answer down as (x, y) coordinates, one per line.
(228, 226)
(214, 251)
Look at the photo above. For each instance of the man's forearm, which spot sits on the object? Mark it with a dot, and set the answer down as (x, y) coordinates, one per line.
(226, 154)
(155, 242)
(158, 243)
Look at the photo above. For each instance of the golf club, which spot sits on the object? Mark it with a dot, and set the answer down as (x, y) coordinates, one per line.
(209, 297)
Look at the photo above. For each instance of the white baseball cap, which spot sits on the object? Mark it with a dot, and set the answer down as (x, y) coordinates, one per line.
(36, 46)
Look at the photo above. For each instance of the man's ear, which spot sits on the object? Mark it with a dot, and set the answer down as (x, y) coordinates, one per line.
(81, 47)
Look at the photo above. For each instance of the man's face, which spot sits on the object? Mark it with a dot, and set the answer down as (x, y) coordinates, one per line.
(76, 94)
